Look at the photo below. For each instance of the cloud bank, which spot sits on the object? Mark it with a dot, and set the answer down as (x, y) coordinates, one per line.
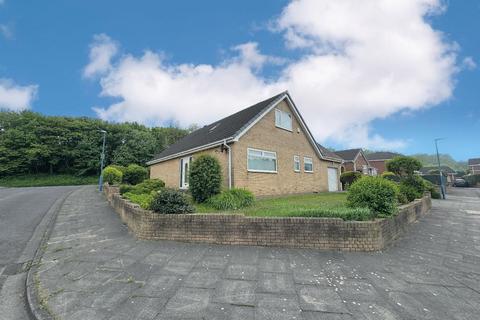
(14, 97)
(359, 61)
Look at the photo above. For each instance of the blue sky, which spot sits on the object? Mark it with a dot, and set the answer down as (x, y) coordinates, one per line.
(217, 56)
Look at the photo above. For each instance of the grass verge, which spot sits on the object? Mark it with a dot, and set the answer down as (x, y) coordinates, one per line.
(44, 180)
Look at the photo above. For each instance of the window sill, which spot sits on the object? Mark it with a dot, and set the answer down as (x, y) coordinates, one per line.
(286, 129)
(308, 171)
(261, 171)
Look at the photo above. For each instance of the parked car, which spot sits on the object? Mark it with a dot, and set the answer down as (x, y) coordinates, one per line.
(460, 183)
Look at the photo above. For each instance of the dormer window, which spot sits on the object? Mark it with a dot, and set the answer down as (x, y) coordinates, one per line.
(283, 120)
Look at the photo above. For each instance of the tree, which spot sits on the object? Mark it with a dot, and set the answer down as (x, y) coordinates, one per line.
(403, 166)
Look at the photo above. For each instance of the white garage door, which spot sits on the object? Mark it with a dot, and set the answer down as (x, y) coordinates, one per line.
(332, 179)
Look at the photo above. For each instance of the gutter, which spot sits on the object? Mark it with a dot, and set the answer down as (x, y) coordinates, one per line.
(229, 163)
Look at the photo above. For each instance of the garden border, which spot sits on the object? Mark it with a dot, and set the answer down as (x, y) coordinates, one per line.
(295, 232)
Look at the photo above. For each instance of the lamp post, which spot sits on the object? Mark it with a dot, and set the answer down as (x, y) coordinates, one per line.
(442, 186)
(102, 159)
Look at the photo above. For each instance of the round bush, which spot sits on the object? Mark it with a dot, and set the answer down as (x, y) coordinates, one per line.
(205, 178)
(135, 174)
(417, 182)
(170, 201)
(375, 193)
(349, 177)
(232, 199)
(112, 175)
(118, 167)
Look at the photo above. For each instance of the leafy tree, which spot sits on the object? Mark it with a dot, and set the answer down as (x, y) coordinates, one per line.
(403, 166)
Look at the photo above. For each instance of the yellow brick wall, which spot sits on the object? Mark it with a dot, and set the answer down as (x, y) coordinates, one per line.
(169, 171)
(266, 136)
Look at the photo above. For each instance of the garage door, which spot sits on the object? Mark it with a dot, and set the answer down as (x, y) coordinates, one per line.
(332, 179)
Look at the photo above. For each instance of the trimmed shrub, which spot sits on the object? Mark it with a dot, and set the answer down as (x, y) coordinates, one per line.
(349, 177)
(401, 197)
(118, 167)
(232, 199)
(344, 213)
(144, 199)
(134, 174)
(432, 189)
(170, 201)
(409, 192)
(112, 175)
(390, 176)
(124, 188)
(403, 166)
(417, 182)
(375, 193)
(205, 178)
(146, 186)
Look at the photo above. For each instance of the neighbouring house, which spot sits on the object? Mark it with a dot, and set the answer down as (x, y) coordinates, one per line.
(355, 160)
(474, 165)
(446, 170)
(378, 160)
(266, 148)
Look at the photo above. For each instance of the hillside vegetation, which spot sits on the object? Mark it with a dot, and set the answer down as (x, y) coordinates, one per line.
(32, 144)
(445, 159)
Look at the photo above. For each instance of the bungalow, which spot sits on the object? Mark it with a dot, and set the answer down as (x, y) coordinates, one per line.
(474, 165)
(266, 148)
(355, 160)
(378, 160)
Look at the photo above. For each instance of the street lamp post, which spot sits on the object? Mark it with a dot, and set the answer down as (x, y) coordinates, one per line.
(102, 159)
(442, 185)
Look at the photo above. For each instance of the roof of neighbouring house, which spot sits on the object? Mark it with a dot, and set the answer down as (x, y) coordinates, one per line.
(225, 129)
(382, 155)
(474, 161)
(445, 169)
(328, 153)
(349, 154)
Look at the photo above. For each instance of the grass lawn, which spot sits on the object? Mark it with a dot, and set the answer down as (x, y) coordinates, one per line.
(42, 180)
(287, 206)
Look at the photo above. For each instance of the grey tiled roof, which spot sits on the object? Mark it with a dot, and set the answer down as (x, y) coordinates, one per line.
(474, 161)
(349, 154)
(327, 153)
(218, 130)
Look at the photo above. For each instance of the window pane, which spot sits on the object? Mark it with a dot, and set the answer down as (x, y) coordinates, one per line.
(283, 119)
(261, 162)
(296, 163)
(307, 164)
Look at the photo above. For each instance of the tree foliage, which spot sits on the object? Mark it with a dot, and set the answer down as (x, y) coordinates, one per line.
(205, 178)
(403, 166)
(33, 143)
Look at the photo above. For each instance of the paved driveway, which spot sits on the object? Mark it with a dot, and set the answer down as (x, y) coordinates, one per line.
(21, 210)
(94, 269)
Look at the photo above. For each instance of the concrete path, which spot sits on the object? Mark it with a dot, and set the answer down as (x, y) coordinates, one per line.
(94, 269)
(21, 212)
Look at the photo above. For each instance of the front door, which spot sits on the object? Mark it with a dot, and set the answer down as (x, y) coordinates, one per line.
(332, 179)
(184, 171)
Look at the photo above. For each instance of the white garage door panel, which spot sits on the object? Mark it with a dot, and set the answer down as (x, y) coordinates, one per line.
(332, 179)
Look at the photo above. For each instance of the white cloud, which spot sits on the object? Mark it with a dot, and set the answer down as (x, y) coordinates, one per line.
(6, 31)
(102, 50)
(360, 61)
(14, 97)
(469, 64)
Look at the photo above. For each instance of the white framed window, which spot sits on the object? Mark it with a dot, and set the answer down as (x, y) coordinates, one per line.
(307, 164)
(283, 119)
(261, 161)
(296, 163)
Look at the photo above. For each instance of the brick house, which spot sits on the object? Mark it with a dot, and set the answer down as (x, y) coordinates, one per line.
(355, 160)
(474, 165)
(266, 148)
(378, 160)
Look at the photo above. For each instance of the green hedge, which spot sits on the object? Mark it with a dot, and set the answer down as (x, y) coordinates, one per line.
(112, 175)
(134, 174)
(344, 213)
(205, 178)
(472, 179)
(170, 201)
(349, 177)
(146, 186)
(375, 193)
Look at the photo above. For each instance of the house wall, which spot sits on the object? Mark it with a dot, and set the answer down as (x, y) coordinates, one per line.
(266, 136)
(380, 165)
(360, 162)
(169, 171)
(348, 166)
(475, 169)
